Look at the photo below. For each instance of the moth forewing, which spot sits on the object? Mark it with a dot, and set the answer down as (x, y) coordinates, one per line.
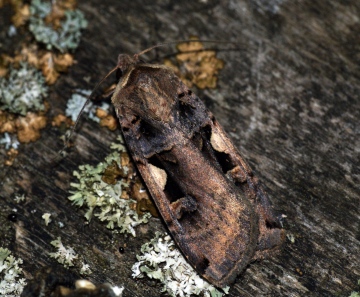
(202, 186)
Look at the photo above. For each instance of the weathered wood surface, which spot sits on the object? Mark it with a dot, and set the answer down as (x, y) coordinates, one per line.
(290, 99)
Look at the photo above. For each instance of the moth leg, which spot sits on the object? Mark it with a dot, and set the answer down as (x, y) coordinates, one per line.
(109, 92)
(237, 174)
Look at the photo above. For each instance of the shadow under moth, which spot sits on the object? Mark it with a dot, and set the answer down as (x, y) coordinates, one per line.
(213, 205)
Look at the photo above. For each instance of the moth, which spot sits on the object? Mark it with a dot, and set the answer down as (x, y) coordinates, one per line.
(212, 204)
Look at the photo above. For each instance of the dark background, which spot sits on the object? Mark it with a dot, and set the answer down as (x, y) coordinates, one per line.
(289, 98)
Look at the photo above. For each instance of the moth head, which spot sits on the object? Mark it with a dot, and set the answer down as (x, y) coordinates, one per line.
(124, 62)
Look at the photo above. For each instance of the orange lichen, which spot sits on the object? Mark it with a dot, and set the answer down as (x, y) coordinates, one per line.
(3, 71)
(21, 11)
(7, 122)
(48, 68)
(125, 161)
(63, 62)
(61, 120)
(11, 154)
(67, 4)
(196, 66)
(28, 127)
(22, 14)
(51, 64)
(106, 119)
(143, 201)
(5, 61)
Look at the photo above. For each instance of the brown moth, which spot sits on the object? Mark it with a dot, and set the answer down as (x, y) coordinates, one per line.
(214, 207)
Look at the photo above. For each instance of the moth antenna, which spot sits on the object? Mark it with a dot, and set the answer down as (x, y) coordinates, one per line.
(136, 56)
(70, 132)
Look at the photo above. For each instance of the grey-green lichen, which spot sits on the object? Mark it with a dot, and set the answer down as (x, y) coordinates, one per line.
(67, 37)
(10, 282)
(24, 89)
(161, 260)
(103, 200)
(63, 255)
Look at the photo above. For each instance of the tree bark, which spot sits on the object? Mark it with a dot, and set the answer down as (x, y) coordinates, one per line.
(289, 98)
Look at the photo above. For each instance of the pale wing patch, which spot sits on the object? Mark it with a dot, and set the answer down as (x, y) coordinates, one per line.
(159, 176)
(217, 142)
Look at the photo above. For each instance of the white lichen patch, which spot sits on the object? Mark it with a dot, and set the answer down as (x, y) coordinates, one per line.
(161, 260)
(10, 141)
(19, 198)
(10, 282)
(65, 256)
(64, 38)
(103, 200)
(118, 291)
(76, 103)
(85, 269)
(24, 89)
(46, 217)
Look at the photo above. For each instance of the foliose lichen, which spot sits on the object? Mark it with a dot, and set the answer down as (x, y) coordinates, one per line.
(23, 90)
(76, 103)
(10, 141)
(65, 256)
(101, 199)
(46, 217)
(85, 269)
(19, 198)
(161, 260)
(10, 282)
(66, 37)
